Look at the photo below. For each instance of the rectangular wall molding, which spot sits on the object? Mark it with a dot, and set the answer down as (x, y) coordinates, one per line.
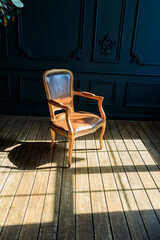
(5, 89)
(142, 95)
(105, 89)
(107, 42)
(32, 90)
(67, 43)
(145, 49)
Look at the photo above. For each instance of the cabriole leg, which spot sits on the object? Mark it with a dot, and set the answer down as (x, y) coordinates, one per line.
(71, 142)
(53, 136)
(101, 134)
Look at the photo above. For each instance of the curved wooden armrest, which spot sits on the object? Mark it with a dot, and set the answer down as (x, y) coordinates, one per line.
(67, 110)
(58, 104)
(93, 96)
(88, 95)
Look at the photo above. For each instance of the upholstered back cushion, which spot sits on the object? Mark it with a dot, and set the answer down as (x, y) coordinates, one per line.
(59, 86)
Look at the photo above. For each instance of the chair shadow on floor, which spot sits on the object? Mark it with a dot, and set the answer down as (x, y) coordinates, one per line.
(37, 155)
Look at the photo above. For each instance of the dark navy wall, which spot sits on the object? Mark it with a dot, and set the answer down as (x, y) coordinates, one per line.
(112, 46)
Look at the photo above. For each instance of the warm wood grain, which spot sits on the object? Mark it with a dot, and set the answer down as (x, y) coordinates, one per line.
(36, 197)
(17, 139)
(49, 220)
(109, 193)
(147, 183)
(9, 192)
(151, 135)
(66, 224)
(148, 214)
(132, 180)
(147, 142)
(101, 221)
(4, 138)
(155, 129)
(84, 225)
(6, 129)
(3, 121)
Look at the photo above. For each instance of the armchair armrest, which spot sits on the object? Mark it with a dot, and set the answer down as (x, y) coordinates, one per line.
(93, 96)
(88, 95)
(58, 104)
(67, 110)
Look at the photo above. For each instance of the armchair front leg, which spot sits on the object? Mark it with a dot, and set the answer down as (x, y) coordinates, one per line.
(103, 116)
(70, 132)
(53, 137)
(71, 143)
(70, 135)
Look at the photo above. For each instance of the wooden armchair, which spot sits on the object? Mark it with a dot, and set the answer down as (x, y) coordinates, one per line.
(58, 85)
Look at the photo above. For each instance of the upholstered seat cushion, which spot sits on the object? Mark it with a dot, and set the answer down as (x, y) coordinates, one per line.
(81, 121)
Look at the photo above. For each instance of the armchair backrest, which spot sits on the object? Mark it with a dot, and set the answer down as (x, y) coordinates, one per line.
(58, 85)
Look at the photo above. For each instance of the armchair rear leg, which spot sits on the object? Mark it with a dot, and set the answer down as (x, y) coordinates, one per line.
(53, 136)
(101, 134)
(71, 142)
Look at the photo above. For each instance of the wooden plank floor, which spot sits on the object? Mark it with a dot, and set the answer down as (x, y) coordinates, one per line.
(113, 193)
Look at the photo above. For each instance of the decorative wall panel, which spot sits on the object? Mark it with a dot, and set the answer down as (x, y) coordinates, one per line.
(105, 89)
(142, 95)
(109, 30)
(146, 46)
(5, 93)
(52, 31)
(32, 90)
